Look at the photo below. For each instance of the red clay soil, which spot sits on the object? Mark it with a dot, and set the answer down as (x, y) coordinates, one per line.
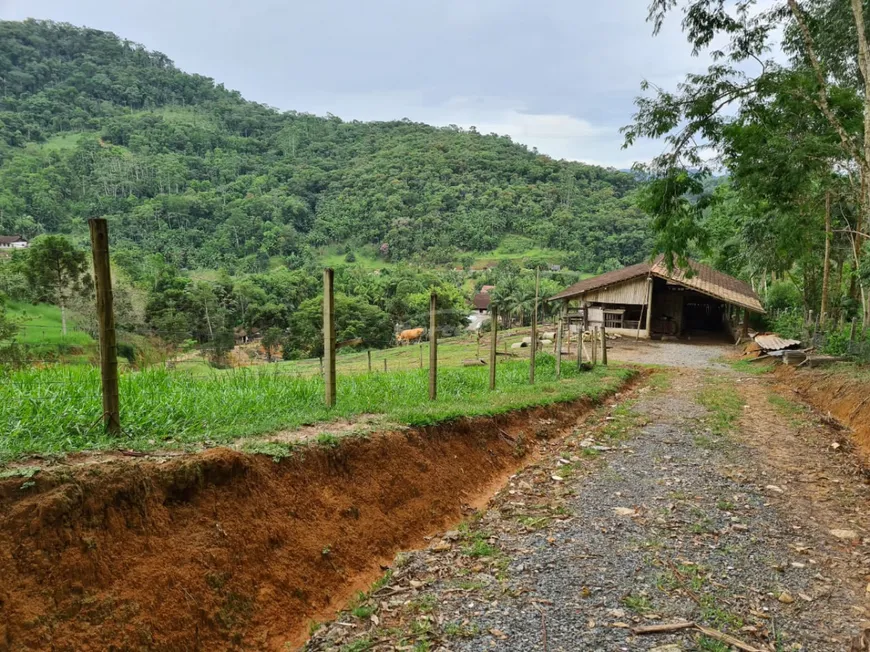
(842, 394)
(223, 550)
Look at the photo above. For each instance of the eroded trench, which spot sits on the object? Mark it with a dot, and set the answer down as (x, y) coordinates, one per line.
(223, 550)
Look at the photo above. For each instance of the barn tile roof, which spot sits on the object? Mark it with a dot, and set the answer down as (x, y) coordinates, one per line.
(703, 279)
(9, 239)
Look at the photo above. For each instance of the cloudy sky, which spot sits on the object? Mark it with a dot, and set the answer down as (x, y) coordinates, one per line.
(559, 75)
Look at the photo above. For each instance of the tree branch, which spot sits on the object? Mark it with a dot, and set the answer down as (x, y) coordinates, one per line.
(848, 143)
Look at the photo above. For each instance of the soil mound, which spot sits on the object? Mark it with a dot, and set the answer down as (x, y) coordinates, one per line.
(223, 550)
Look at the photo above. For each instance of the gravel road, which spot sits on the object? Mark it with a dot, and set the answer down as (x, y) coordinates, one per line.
(692, 354)
(662, 507)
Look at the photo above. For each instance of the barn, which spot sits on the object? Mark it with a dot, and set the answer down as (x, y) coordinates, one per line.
(649, 301)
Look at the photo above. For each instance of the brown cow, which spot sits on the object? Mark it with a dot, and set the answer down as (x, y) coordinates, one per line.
(409, 336)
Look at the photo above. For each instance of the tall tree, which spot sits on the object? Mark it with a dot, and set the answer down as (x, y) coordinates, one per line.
(55, 270)
(824, 41)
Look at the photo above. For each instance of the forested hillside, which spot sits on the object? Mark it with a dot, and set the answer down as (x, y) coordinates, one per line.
(91, 124)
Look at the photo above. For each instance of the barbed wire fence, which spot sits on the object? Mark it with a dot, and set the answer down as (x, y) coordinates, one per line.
(35, 373)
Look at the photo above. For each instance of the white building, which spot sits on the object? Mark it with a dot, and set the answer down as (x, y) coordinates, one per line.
(12, 242)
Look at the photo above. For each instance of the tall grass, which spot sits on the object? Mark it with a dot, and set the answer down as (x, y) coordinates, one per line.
(57, 409)
(40, 325)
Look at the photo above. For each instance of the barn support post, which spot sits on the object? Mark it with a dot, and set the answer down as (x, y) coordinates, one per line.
(534, 351)
(604, 344)
(493, 345)
(745, 330)
(329, 336)
(594, 338)
(106, 317)
(433, 348)
(649, 300)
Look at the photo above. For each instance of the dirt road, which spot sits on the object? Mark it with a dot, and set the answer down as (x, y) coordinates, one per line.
(705, 497)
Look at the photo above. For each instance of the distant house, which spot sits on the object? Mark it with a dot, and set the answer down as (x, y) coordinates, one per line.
(12, 242)
(481, 302)
(482, 299)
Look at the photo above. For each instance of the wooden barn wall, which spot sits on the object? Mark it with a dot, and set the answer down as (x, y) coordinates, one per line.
(631, 292)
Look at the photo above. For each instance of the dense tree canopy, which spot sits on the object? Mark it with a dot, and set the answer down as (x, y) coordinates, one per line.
(91, 124)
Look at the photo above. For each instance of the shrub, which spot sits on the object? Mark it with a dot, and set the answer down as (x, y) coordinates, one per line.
(783, 295)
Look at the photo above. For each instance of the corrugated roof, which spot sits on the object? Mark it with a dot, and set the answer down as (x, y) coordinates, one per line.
(773, 342)
(703, 279)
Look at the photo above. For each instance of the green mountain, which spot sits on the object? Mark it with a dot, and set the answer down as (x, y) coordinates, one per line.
(94, 125)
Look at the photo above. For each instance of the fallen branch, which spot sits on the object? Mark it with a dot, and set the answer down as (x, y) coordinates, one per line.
(725, 638)
(662, 628)
(682, 582)
(666, 628)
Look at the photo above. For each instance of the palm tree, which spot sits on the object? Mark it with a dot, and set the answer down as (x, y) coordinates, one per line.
(525, 300)
(503, 297)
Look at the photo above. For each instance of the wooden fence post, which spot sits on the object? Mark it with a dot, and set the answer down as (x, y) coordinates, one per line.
(421, 354)
(433, 348)
(106, 317)
(604, 344)
(329, 336)
(559, 345)
(385, 365)
(369, 355)
(534, 330)
(493, 345)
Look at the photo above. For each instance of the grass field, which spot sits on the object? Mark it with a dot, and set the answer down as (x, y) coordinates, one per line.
(41, 325)
(57, 410)
(452, 352)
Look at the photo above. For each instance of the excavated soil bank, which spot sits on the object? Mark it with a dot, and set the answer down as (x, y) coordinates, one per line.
(842, 394)
(223, 550)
